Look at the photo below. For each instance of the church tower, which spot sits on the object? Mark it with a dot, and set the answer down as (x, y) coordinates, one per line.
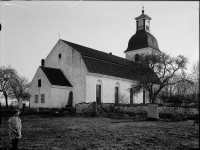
(142, 42)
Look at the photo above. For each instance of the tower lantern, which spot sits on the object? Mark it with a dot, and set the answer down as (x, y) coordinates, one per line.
(143, 22)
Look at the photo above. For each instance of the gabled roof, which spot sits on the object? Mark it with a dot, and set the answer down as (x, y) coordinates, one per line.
(99, 55)
(111, 69)
(55, 76)
(107, 64)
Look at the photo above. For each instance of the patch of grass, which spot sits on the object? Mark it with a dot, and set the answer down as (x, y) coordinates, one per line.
(79, 133)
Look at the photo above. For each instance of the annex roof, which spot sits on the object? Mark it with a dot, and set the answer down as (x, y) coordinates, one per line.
(55, 76)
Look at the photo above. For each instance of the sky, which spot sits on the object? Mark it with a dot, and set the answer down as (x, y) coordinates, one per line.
(30, 29)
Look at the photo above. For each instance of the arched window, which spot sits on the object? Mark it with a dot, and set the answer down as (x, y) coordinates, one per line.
(136, 57)
(117, 90)
(99, 91)
(144, 96)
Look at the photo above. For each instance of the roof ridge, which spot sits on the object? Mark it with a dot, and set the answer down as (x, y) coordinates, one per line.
(50, 68)
(83, 46)
(109, 61)
(90, 52)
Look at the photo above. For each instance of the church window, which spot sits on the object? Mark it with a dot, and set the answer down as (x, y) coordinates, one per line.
(42, 98)
(143, 96)
(116, 95)
(117, 88)
(136, 57)
(39, 83)
(131, 96)
(99, 92)
(59, 56)
(36, 98)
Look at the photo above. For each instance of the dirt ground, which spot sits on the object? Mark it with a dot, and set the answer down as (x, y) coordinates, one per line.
(79, 133)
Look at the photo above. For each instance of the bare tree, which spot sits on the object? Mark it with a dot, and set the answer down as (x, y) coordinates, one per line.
(20, 88)
(155, 72)
(7, 76)
(195, 77)
(179, 92)
(123, 99)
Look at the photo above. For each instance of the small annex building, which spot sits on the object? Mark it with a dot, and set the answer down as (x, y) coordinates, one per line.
(87, 75)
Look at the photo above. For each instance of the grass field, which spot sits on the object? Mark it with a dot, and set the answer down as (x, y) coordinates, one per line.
(79, 133)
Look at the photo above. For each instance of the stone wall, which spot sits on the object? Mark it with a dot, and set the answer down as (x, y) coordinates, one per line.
(161, 110)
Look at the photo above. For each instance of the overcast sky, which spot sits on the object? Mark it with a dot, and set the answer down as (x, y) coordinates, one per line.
(31, 29)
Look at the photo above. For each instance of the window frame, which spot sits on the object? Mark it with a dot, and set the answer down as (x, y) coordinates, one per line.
(36, 98)
(42, 98)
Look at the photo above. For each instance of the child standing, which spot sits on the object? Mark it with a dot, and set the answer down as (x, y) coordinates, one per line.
(15, 128)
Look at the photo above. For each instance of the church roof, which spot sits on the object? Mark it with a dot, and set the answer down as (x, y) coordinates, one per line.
(55, 76)
(99, 54)
(142, 39)
(107, 64)
(111, 69)
(143, 16)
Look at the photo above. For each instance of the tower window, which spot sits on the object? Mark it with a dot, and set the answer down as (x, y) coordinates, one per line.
(147, 28)
(39, 83)
(59, 56)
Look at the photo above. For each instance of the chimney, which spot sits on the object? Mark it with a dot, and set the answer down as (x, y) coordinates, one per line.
(110, 53)
(42, 62)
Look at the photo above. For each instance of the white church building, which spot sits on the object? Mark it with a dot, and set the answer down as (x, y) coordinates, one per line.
(90, 75)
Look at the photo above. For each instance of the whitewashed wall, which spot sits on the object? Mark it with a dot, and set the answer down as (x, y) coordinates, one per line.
(72, 66)
(108, 88)
(130, 55)
(55, 96)
(59, 97)
(44, 89)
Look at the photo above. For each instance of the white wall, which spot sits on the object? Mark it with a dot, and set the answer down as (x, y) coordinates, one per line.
(72, 66)
(55, 96)
(44, 89)
(59, 97)
(108, 88)
(130, 55)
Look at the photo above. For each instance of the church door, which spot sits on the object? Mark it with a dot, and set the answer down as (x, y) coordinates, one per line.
(98, 94)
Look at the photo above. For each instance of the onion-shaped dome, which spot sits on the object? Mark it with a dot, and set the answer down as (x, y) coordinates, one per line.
(142, 39)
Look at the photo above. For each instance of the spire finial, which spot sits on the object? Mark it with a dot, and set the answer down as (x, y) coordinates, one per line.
(142, 8)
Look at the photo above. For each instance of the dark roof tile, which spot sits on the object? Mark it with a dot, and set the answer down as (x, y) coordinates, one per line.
(55, 76)
(111, 69)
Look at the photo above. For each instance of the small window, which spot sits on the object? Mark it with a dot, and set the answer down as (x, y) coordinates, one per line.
(42, 98)
(36, 98)
(39, 83)
(59, 56)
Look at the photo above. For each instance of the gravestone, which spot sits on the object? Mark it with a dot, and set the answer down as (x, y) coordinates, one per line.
(152, 112)
(94, 107)
(70, 99)
(24, 107)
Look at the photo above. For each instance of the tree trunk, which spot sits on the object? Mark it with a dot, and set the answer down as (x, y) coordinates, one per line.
(6, 98)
